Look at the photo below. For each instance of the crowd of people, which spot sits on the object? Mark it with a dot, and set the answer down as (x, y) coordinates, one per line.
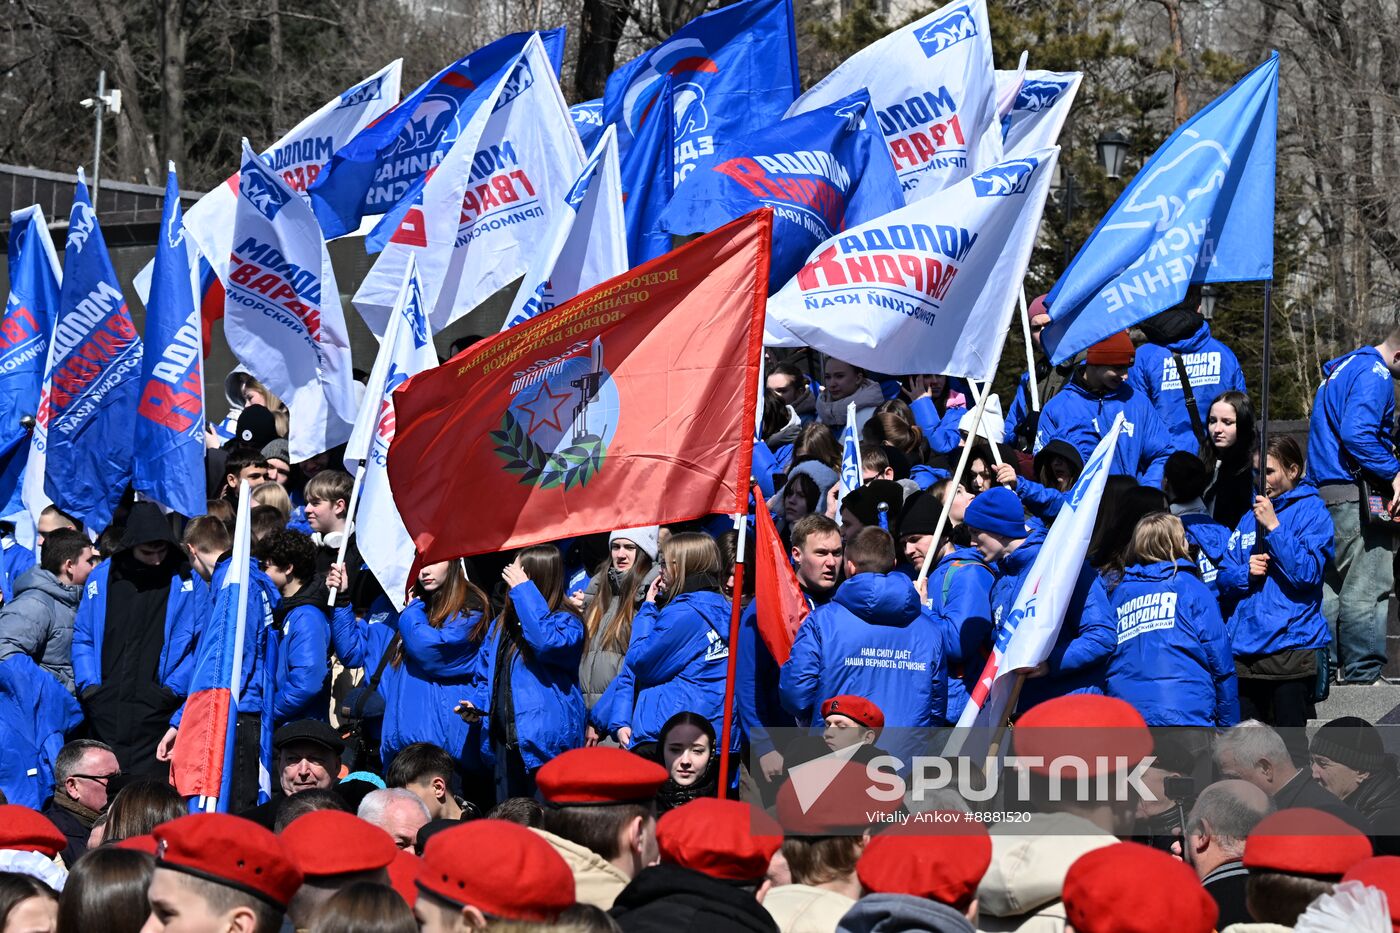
(578, 689)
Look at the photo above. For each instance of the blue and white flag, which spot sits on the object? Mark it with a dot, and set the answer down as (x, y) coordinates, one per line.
(407, 350)
(169, 464)
(821, 172)
(927, 288)
(586, 243)
(935, 96)
(648, 180)
(374, 170)
(283, 318)
(588, 120)
(1039, 109)
(1200, 210)
(93, 378)
(30, 311)
(475, 223)
(850, 453)
(732, 71)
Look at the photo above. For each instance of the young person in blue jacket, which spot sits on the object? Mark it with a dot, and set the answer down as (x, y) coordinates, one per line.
(871, 640)
(679, 655)
(427, 656)
(134, 640)
(1078, 662)
(1184, 481)
(1083, 412)
(302, 678)
(937, 408)
(1173, 662)
(1056, 467)
(529, 662)
(1273, 578)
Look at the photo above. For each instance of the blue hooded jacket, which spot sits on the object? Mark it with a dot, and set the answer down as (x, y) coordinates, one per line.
(1352, 417)
(1173, 661)
(35, 714)
(418, 705)
(1078, 662)
(1211, 539)
(1210, 366)
(960, 590)
(1282, 609)
(758, 702)
(186, 615)
(544, 688)
(872, 640)
(677, 661)
(941, 431)
(1081, 419)
(302, 678)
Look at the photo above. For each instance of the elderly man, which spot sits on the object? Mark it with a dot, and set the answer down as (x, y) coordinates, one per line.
(398, 812)
(306, 756)
(1255, 753)
(81, 775)
(1224, 815)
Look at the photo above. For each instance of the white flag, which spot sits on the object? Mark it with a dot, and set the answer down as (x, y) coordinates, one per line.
(407, 350)
(927, 288)
(1038, 113)
(297, 157)
(587, 240)
(934, 94)
(282, 312)
(479, 219)
(1026, 636)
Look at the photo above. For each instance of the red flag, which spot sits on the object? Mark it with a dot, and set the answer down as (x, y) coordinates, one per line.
(781, 605)
(632, 404)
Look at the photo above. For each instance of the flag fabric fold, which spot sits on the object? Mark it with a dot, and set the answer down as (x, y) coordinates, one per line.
(928, 288)
(169, 444)
(1200, 210)
(632, 404)
(648, 181)
(777, 593)
(1038, 110)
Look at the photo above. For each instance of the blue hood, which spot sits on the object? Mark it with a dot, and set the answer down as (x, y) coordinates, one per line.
(1195, 343)
(1017, 561)
(1159, 572)
(880, 598)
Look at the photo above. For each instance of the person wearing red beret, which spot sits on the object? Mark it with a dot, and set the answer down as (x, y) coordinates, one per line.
(334, 849)
(217, 873)
(1294, 856)
(1382, 873)
(600, 817)
(1021, 890)
(1133, 888)
(851, 720)
(478, 875)
(1083, 412)
(713, 873)
(922, 879)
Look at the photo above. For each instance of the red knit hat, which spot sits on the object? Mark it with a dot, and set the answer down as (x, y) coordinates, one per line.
(231, 851)
(1304, 841)
(1382, 873)
(718, 838)
(333, 842)
(1107, 734)
(1132, 888)
(853, 707)
(940, 861)
(599, 776)
(29, 831)
(1114, 350)
(502, 869)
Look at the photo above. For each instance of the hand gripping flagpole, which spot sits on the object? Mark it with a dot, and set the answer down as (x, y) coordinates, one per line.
(952, 490)
(349, 525)
(1264, 382)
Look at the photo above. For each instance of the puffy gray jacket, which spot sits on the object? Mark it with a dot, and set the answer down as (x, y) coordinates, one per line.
(39, 622)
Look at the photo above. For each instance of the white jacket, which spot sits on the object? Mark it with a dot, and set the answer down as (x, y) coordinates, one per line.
(1021, 890)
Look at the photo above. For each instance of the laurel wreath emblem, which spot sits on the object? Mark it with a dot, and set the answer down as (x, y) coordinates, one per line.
(573, 466)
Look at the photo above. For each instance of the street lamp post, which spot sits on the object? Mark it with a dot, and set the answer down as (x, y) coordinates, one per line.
(1209, 296)
(1112, 149)
(105, 101)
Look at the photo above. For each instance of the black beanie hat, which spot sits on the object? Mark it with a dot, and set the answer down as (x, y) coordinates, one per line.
(256, 427)
(1350, 741)
(864, 502)
(920, 515)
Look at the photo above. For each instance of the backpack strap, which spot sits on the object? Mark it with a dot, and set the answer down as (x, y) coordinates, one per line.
(1189, 396)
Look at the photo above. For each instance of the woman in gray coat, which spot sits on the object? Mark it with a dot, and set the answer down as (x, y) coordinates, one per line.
(610, 601)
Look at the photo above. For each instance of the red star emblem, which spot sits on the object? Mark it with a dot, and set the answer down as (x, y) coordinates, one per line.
(544, 408)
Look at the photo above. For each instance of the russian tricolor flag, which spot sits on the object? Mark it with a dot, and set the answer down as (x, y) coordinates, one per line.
(201, 766)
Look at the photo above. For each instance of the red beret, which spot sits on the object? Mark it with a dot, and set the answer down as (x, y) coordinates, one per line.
(333, 842)
(599, 776)
(939, 861)
(146, 843)
(718, 838)
(843, 806)
(1304, 841)
(1113, 350)
(1382, 873)
(1104, 732)
(1132, 888)
(29, 831)
(228, 850)
(858, 708)
(500, 868)
(403, 875)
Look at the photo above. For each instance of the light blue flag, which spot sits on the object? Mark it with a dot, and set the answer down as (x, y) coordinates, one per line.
(1200, 210)
(850, 453)
(169, 461)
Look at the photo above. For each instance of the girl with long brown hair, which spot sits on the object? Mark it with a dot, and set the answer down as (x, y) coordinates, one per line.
(611, 602)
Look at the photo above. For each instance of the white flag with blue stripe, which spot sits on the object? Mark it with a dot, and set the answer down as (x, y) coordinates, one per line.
(850, 453)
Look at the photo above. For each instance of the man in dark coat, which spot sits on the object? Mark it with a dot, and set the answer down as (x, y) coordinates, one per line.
(1349, 760)
(1225, 814)
(83, 772)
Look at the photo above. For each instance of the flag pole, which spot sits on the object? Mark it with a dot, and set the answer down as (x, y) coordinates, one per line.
(349, 524)
(977, 397)
(1264, 383)
(951, 491)
(1034, 382)
(741, 526)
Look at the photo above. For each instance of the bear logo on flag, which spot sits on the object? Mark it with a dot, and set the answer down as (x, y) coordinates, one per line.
(1005, 179)
(561, 419)
(946, 32)
(261, 191)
